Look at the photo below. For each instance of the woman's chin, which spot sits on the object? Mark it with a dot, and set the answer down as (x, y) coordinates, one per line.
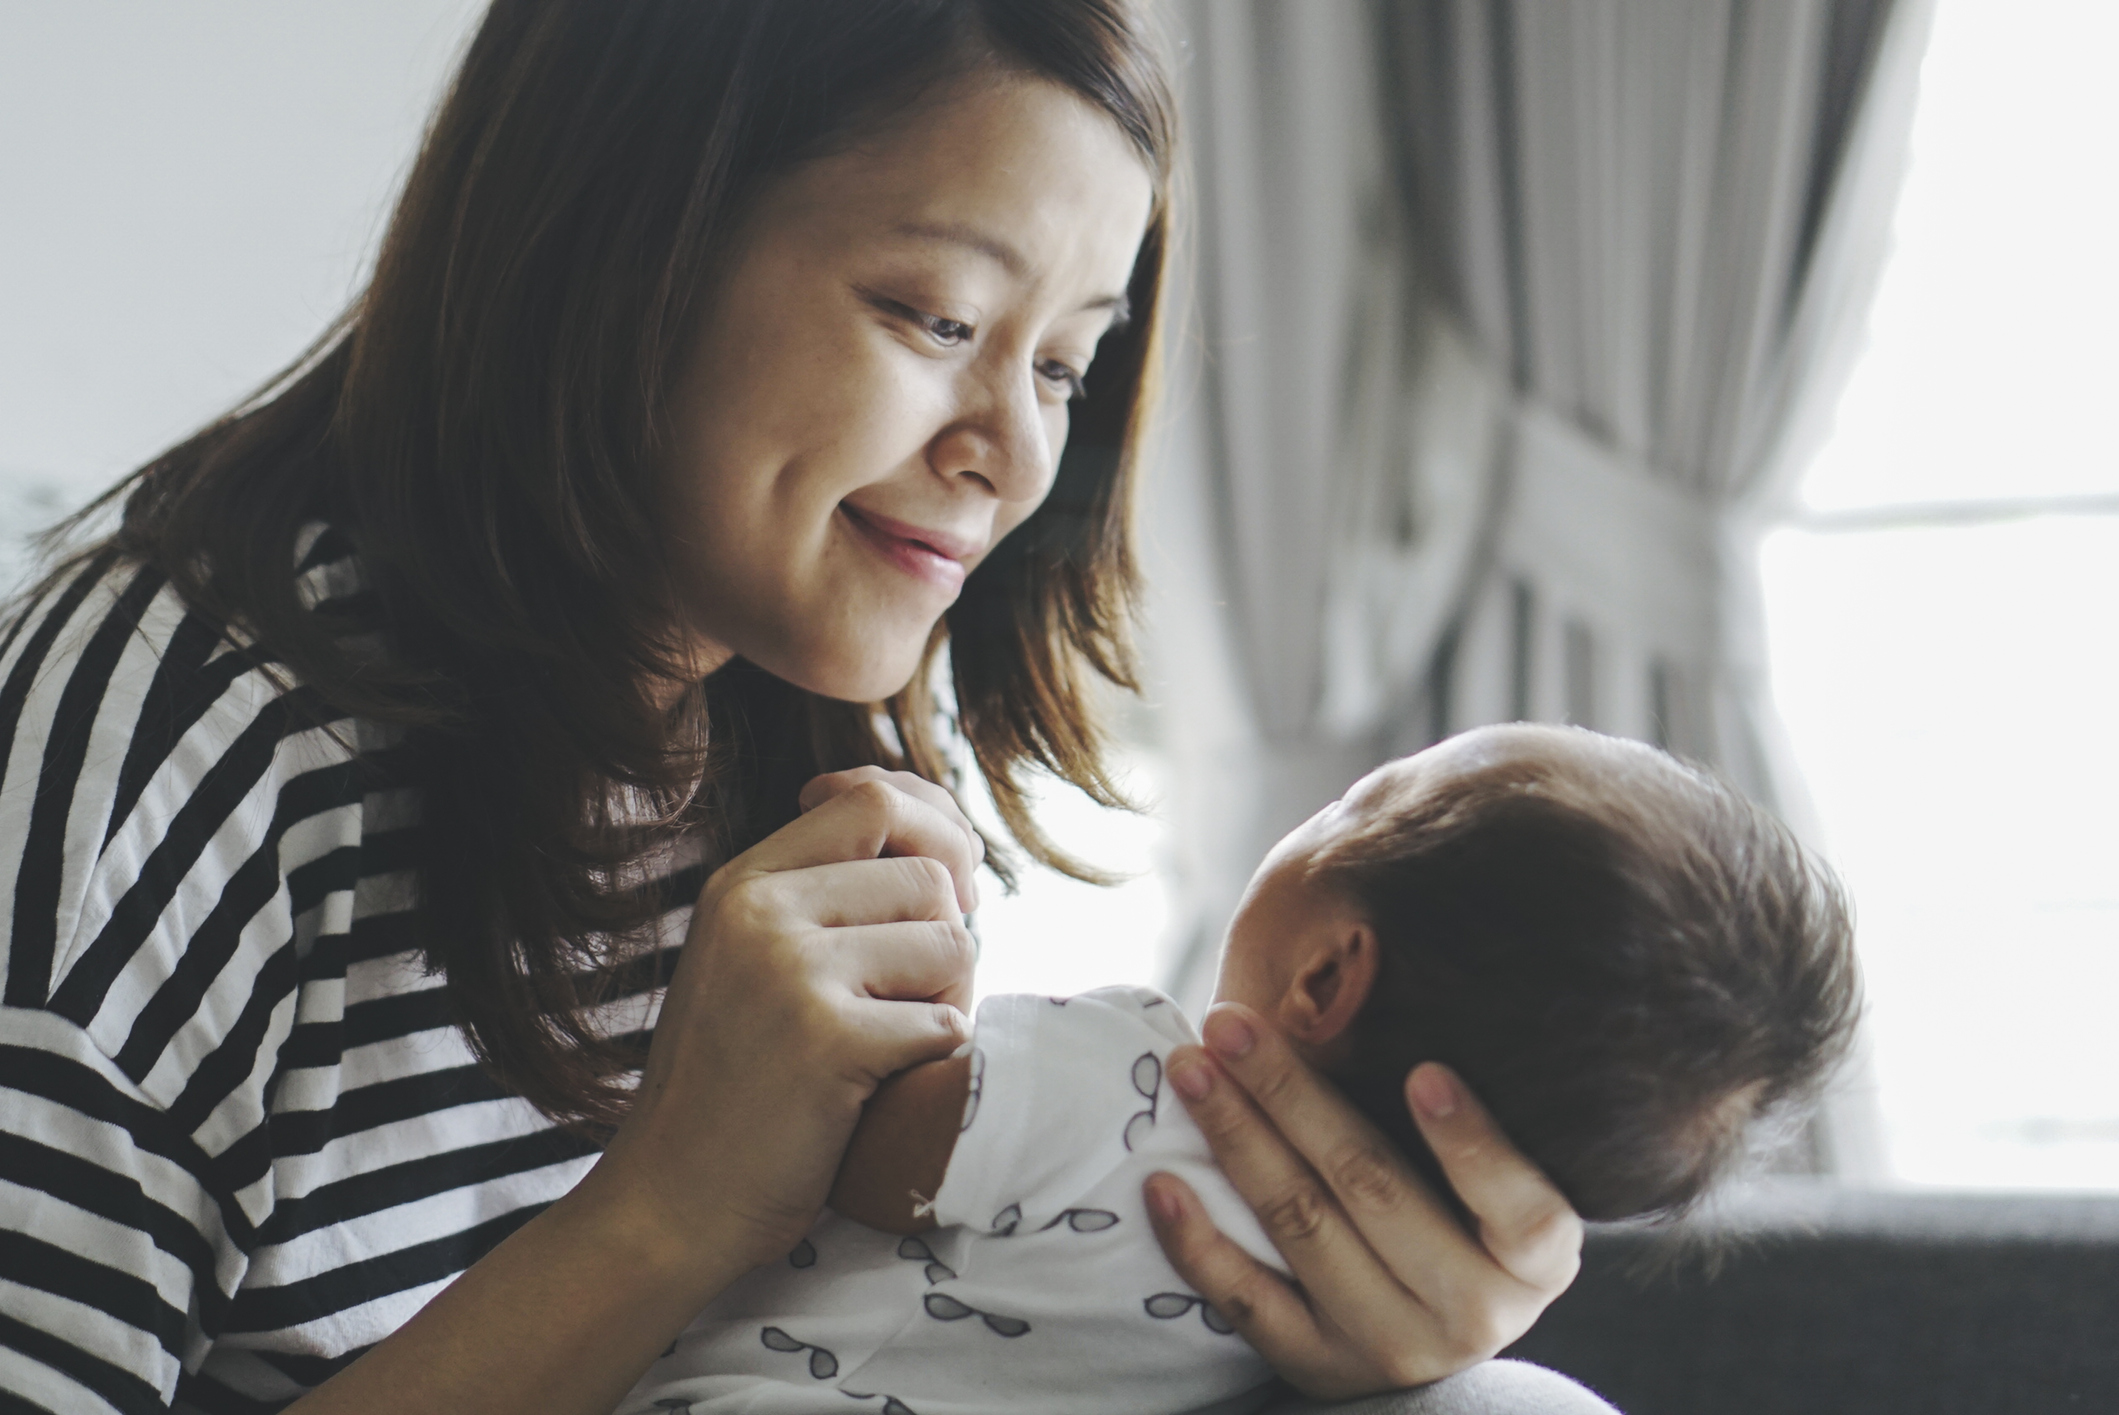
(860, 675)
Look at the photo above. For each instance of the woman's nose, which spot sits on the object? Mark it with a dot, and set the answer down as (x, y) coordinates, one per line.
(1000, 437)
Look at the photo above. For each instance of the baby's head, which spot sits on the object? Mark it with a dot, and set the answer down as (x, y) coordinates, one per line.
(1625, 960)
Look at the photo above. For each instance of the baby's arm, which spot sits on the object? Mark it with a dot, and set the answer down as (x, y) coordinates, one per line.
(901, 1147)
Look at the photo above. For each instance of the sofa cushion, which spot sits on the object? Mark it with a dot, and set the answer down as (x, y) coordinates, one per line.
(1801, 1296)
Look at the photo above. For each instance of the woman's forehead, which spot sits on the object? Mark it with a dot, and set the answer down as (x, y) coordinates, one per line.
(1023, 155)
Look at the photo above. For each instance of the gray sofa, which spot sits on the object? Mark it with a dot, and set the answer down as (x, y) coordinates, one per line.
(1803, 1298)
(1831, 1300)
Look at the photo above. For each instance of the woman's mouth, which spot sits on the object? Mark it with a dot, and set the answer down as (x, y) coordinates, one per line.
(937, 557)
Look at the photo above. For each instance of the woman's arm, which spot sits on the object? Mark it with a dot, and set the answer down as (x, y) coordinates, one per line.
(563, 1317)
(1390, 1290)
(825, 959)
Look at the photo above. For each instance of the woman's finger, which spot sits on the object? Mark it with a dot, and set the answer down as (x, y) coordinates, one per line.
(1524, 1221)
(891, 1036)
(926, 961)
(1256, 1300)
(1374, 1249)
(820, 789)
(1379, 1310)
(865, 822)
(846, 893)
(1410, 1230)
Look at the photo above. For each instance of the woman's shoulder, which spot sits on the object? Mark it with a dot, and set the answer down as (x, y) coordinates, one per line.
(217, 1038)
(156, 771)
(110, 631)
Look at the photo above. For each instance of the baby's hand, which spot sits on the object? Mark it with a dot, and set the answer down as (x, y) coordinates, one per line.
(822, 788)
(901, 1148)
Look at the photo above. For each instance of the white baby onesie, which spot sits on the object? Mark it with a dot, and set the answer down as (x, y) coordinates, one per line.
(1043, 1291)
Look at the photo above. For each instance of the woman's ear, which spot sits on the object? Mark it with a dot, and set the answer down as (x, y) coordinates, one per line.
(1328, 990)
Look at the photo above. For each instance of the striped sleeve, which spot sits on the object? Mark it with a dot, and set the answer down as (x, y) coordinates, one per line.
(163, 800)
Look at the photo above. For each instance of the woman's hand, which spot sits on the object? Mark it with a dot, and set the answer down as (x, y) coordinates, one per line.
(820, 789)
(1390, 1290)
(820, 961)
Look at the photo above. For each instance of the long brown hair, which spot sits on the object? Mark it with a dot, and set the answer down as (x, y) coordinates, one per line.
(485, 425)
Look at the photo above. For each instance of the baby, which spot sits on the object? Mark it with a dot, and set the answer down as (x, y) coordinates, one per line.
(1626, 961)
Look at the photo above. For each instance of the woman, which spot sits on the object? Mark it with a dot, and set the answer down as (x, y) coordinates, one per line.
(435, 729)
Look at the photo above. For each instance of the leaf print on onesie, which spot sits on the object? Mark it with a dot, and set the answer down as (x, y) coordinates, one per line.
(936, 1270)
(944, 1308)
(1148, 1083)
(822, 1364)
(1082, 1220)
(1165, 1306)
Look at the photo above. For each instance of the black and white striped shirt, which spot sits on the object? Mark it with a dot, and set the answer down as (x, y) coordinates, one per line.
(240, 1138)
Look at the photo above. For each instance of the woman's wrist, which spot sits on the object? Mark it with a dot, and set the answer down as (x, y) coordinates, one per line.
(689, 1252)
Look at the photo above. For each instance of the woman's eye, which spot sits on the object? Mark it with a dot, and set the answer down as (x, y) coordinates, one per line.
(1064, 378)
(946, 331)
(949, 333)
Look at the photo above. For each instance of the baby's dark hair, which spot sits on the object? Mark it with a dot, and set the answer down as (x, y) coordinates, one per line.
(1627, 962)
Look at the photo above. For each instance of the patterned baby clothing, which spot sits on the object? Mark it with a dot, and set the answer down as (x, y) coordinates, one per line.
(1042, 1292)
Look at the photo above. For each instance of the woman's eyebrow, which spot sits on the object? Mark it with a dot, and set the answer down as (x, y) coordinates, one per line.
(1006, 256)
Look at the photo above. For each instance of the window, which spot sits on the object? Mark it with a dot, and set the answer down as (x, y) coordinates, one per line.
(1945, 617)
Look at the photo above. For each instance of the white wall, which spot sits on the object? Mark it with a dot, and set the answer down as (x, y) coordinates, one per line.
(188, 193)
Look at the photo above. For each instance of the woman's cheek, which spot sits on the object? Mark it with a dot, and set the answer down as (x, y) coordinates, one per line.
(881, 418)
(1058, 422)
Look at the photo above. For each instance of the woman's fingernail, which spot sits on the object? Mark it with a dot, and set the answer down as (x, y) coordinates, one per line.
(1433, 1092)
(1163, 1199)
(1230, 1035)
(1193, 1079)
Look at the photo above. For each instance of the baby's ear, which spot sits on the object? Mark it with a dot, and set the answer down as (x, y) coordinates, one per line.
(1332, 984)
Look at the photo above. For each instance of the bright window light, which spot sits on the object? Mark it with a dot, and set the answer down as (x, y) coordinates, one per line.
(1950, 690)
(1058, 936)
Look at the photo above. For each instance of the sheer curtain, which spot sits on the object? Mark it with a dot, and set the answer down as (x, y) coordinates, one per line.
(1510, 324)
(1332, 475)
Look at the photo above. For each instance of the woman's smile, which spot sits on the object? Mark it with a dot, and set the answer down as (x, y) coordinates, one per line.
(940, 558)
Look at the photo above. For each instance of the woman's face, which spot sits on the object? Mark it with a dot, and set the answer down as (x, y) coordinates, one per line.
(878, 392)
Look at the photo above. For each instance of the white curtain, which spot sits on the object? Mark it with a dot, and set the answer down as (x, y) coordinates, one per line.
(1332, 475)
(1512, 321)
